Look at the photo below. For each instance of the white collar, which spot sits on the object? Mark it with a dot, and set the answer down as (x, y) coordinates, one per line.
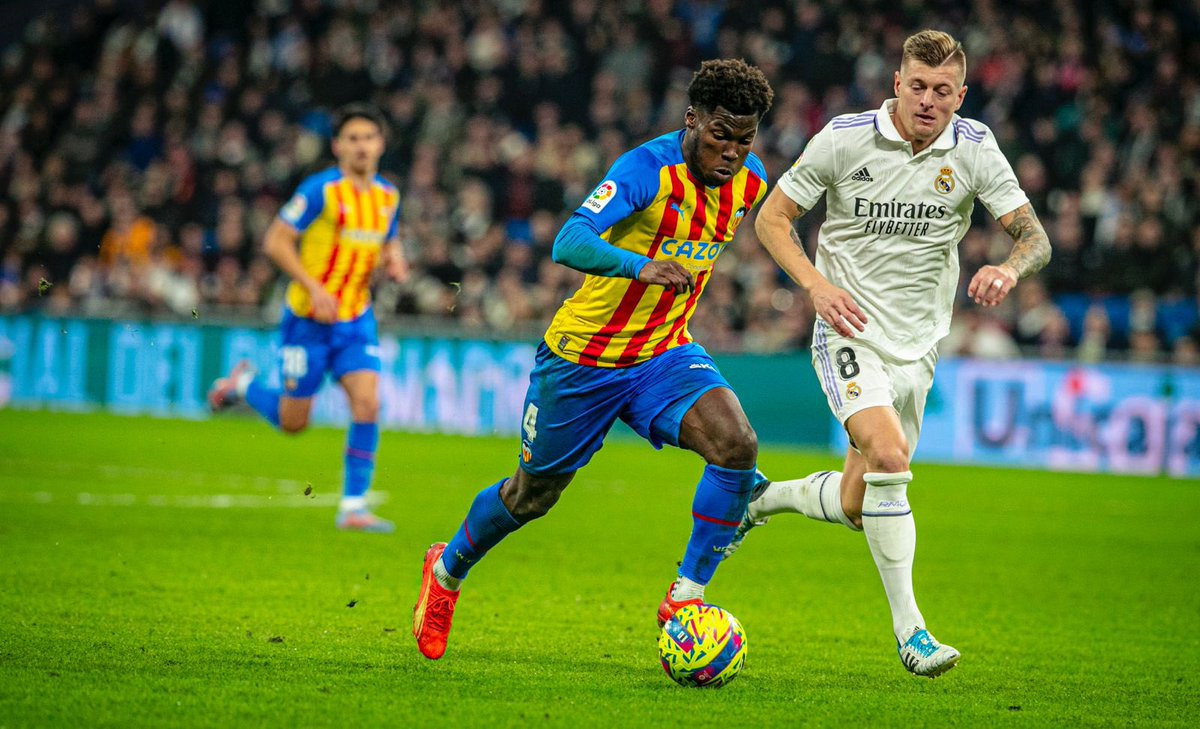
(883, 123)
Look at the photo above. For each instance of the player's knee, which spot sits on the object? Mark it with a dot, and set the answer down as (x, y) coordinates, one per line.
(365, 410)
(888, 458)
(294, 424)
(738, 449)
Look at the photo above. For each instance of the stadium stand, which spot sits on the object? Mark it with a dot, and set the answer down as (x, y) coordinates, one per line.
(144, 147)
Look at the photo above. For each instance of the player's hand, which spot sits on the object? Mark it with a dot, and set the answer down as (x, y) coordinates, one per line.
(991, 284)
(837, 309)
(669, 274)
(324, 306)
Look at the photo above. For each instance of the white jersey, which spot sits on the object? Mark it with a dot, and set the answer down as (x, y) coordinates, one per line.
(894, 220)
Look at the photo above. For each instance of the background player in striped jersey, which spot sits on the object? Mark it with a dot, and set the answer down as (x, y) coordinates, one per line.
(345, 220)
(648, 237)
(900, 184)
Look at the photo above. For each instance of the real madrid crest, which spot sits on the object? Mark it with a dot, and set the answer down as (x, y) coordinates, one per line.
(852, 388)
(945, 181)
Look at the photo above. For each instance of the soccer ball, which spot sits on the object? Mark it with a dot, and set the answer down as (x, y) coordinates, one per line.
(702, 645)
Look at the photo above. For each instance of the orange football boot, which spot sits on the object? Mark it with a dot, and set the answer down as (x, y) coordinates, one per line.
(669, 607)
(434, 609)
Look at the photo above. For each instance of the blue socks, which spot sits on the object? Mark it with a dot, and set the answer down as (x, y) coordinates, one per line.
(264, 400)
(488, 521)
(361, 444)
(717, 510)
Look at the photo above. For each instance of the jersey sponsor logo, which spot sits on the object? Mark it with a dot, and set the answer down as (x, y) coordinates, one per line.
(696, 250)
(896, 217)
(863, 175)
(702, 366)
(601, 196)
(945, 181)
(366, 237)
(865, 208)
(294, 208)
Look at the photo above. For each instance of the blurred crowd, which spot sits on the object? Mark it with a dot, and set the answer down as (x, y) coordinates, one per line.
(145, 146)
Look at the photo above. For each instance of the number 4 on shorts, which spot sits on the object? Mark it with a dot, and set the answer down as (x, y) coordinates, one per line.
(529, 423)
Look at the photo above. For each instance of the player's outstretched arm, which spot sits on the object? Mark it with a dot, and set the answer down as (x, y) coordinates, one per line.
(280, 246)
(776, 232)
(1030, 253)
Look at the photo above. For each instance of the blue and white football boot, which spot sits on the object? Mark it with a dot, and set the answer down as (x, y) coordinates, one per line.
(922, 655)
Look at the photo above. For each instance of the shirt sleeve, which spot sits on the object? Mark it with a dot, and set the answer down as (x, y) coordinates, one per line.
(394, 227)
(999, 190)
(304, 207)
(812, 173)
(630, 185)
(579, 246)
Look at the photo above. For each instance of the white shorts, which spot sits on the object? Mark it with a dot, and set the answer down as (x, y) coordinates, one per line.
(856, 376)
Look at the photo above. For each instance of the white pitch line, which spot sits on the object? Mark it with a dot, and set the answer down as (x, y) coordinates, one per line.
(289, 493)
(183, 501)
(191, 478)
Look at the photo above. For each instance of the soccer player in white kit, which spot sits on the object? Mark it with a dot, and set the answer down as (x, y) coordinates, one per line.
(900, 183)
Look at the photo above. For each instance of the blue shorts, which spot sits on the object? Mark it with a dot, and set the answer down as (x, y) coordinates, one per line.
(308, 349)
(570, 408)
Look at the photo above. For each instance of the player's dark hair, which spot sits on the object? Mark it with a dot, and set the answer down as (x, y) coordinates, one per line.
(733, 84)
(358, 111)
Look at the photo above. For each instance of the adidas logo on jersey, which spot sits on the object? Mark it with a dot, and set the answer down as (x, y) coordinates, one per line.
(862, 176)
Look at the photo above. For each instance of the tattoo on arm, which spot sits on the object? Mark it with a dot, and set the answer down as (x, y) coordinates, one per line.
(1031, 246)
(792, 229)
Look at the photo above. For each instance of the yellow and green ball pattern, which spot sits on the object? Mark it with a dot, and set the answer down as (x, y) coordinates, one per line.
(702, 645)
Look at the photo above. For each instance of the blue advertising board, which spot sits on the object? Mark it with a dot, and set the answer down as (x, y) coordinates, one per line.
(1120, 418)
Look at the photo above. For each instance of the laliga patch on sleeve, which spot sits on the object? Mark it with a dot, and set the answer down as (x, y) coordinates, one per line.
(601, 196)
(294, 208)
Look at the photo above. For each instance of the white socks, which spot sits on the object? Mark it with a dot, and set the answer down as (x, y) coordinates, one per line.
(352, 503)
(686, 589)
(242, 383)
(817, 496)
(444, 578)
(892, 536)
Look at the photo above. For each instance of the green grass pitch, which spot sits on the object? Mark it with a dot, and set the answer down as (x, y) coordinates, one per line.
(157, 573)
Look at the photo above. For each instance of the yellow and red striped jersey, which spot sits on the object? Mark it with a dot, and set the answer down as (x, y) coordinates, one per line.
(342, 231)
(650, 204)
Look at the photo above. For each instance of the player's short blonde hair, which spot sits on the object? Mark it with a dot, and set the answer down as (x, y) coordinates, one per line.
(934, 48)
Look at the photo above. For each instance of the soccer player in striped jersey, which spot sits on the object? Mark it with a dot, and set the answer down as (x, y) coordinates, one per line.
(900, 183)
(648, 237)
(344, 221)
